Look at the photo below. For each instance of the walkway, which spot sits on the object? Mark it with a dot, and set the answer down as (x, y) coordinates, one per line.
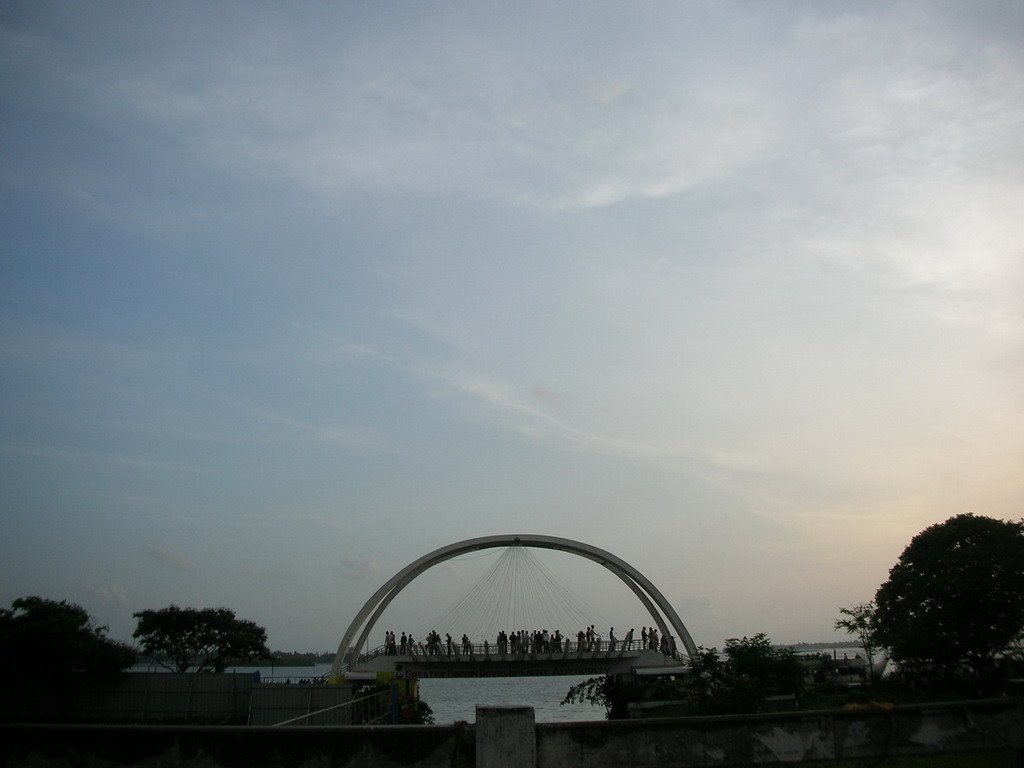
(485, 660)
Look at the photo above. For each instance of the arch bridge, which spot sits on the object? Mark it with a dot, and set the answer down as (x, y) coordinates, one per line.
(486, 660)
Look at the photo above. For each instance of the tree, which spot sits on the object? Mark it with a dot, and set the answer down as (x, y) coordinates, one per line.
(41, 638)
(860, 622)
(753, 670)
(616, 692)
(955, 595)
(205, 639)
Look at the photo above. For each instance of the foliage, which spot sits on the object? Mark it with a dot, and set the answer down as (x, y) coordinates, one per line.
(616, 693)
(860, 622)
(956, 595)
(594, 690)
(1012, 661)
(752, 670)
(414, 711)
(205, 639)
(301, 658)
(46, 638)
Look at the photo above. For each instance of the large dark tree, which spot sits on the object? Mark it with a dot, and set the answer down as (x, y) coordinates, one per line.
(206, 639)
(41, 638)
(956, 594)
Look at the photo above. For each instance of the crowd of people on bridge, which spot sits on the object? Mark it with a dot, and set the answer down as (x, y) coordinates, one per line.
(524, 642)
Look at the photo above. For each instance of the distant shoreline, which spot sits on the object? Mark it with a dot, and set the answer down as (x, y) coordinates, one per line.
(830, 644)
(277, 659)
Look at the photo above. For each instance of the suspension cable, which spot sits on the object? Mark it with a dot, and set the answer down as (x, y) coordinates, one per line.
(517, 592)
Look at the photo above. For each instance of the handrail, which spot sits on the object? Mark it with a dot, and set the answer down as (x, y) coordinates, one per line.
(488, 650)
(339, 706)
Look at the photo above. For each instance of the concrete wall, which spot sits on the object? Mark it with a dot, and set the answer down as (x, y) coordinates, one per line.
(163, 697)
(154, 746)
(724, 741)
(505, 736)
(134, 697)
(785, 737)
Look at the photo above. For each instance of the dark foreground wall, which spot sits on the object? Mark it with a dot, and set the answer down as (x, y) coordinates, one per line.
(510, 737)
(165, 697)
(156, 746)
(996, 726)
(137, 697)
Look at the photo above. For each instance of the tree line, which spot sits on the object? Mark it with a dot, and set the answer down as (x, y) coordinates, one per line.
(46, 638)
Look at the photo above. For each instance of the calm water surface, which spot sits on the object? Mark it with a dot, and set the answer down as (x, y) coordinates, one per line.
(456, 698)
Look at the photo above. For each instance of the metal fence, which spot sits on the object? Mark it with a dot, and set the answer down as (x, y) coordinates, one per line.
(315, 704)
(373, 709)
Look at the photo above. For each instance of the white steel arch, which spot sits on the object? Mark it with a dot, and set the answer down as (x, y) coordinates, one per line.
(649, 595)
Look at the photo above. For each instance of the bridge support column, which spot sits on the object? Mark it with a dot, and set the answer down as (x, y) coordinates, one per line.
(506, 737)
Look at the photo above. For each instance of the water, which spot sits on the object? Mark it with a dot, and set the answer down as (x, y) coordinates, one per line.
(454, 699)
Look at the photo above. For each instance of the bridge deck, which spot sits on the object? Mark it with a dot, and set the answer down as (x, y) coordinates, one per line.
(489, 661)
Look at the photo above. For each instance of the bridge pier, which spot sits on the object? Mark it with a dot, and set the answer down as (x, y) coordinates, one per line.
(505, 737)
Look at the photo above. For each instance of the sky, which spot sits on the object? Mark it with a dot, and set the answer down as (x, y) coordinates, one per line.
(293, 294)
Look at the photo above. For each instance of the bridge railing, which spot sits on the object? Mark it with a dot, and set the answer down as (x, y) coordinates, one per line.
(567, 649)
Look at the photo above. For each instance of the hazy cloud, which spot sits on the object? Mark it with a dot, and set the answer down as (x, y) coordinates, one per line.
(359, 568)
(170, 558)
(112, 593)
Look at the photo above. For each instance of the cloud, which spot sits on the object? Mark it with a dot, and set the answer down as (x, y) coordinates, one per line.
(544, 394)
(112, 593)
(169, 558)
(397, 113)
(356, 438)
(361, 350)
(359, 568)
(276, 571)
(533, 421)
